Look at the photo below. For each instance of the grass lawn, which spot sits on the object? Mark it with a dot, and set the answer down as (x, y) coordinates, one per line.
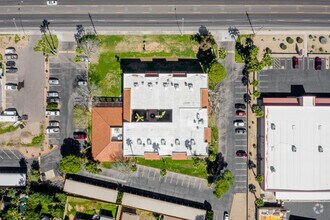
(47, 44)
(106, 74)
(89, 207)
(179, 166)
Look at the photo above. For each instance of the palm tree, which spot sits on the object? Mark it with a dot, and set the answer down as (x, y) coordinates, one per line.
(46, 24)
(43, 31)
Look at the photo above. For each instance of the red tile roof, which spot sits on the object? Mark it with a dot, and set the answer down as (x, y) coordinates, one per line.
(322, 101)
(127, 105)
(283, 101)
(151, 156)
(103, 118)
(205, 99)
(207, 135)
(179, 156)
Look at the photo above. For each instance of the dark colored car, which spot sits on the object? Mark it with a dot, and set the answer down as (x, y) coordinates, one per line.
(10, 63)
(247, 98)
(240, 105)
(11, 70)
(318, 63)
(11, 56)
(240, 113)
(240, 130)
(295, 63)
(53, 100)
(241, 153)
(245, 80)
(80, 135)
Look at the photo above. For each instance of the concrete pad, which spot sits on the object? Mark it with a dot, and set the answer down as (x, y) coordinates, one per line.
(238, 207)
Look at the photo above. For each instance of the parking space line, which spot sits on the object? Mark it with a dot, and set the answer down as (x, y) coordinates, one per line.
(240, 163)
(241, 187)
(240, 181)
(154, 176)
(195, 182)
(1, 157)
(6, 153)
(177, 180)
(165, 178)
(240, 92)
(171, 178)
(142, 171)
(149, 172)
(240, 174)
(240, 169)
(14, 154)
(188, 182)
(200, 183)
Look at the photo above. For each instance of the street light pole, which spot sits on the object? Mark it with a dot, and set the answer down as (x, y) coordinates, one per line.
(15, 24)
(182, 26)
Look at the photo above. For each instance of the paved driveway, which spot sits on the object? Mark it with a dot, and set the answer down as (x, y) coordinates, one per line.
(308, 210)
(10, 158)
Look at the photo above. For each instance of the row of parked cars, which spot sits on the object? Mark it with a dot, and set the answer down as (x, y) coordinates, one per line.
(53, 99)
(317, 63)
(11, 57)
(239, 125)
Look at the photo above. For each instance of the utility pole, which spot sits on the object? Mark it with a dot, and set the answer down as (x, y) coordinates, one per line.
(15, 24)
(247, 15)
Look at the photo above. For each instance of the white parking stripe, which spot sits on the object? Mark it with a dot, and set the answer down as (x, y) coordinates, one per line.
(240, 181)
(14, 154)
(240, 175)
(240, 163)
(240, 169)
(1, 157)
(154, 176)
(6, 154)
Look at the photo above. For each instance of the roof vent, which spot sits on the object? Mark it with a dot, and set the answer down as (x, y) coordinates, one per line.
(149, 141)
(136, 84)
(293, 148)
(150, 85)
(190, 86)
(272, 169)
(319, 127)
(176, 86)
(293, 127)
(139, 141)
(177, 141)
(320, 149)
(165, 84)
(192, 141)
(272, 126)
(162, 141)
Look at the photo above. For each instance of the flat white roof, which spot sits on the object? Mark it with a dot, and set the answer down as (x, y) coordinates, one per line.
(90, 191)
(12, 179)
(306, 130)
(182, 95)
(302, 196)
(162, 207)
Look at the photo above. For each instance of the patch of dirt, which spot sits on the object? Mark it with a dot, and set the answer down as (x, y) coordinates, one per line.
(26, 137)
(80, 208)
(145, 215)
(9, 41)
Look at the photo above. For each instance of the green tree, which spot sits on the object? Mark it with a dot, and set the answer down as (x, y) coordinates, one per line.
(11, 193)
(255, 83)
(259, 178)
(70, 164)
(223, 184)
(92, 167)
(216, 73)
(258, 112)
(163, 172)
(133, 168)
(12, 214)
(222, 53)
(256, 94)
(259, 202)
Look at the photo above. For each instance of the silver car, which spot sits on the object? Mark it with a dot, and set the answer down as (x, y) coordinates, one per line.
(54, 123)
(53, 112)
(52, 94)
(52, 130)
(11, 56)
(11, 86)
(53, 81)
(10, 50)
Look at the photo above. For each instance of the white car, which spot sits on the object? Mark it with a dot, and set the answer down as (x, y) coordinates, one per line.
(82, 83)
(53, 81)
(10, 50)
(52, 94)
(239, 123)
(11, 86)
(52, 130)
(52, 2)
(53, 112)
(226, 216)
(54, 123)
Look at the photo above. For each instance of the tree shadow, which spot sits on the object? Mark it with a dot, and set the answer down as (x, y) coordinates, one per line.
(205, 57)
(233, 32)
(35, 165)
(215, 167)
(70, 146)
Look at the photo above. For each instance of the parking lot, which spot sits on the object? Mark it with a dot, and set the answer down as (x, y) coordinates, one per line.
(281, 80)
(305, 63)
(66, 71)
(10, 158)
(29, 98)
(308, 210)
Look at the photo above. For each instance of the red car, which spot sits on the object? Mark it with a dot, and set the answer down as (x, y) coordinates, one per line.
(318, 63)
(240, 113)
(295, 63)
(241, 153)
(80, 135)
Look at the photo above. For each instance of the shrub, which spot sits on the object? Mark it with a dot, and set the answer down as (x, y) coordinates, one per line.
(209, 215)
(268, 50)
(259, 202)
(283, 46)
(289, 40)
(37, 140)
(70, 164)
(256, 94)
(255, 83)
(17, 38)
(216, 73)
(259, 178)
(119, 197)
(52, 106)
(222, 53)
(299, 40)
(223, 184)
(321, 49)
(163, 172)
(133, 168)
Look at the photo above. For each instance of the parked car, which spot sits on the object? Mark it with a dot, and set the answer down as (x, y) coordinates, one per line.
(225, 216)
(241, 153)
(247, 98)
(11, 56)
(318, 63)
(240, 130)
(52, 2)
(11, 86)
(11, 70)
(54, 123)
(245, 80)
(82, 83)
(52, 130)
(10, 50)
(53, 100)
(52, 94)
(240, 113)
(83, 58)
(240, 105)
(80, 135)
(10, 63)
(53, 112)
(239, 123)
(295, 62)
(53, 81)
